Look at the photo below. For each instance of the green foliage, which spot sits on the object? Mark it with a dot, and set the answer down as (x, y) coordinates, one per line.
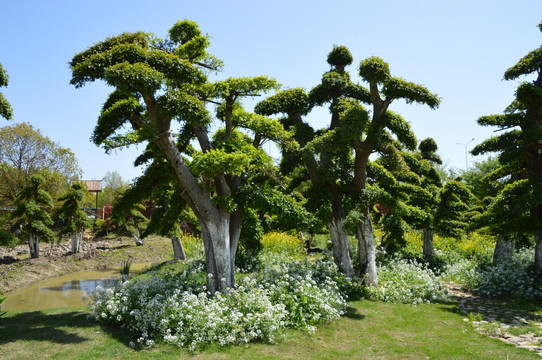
(24, 152)
(339, 57)
(290, 101)
(250, 241)
(527, 65)
(516, 207)
(5, 108)
(397, 88)
(374, 70)
(7, 239)
(31, 213)
(71, 213)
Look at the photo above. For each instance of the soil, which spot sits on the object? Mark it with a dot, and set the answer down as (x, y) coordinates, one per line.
(17, 269)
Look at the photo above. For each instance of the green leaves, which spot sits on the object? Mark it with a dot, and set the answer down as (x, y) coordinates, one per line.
(374, 70)
(290, 101)
(339, 57)
(184, 31)
(218, 161)
(397, 88)
(114, 117)
(134, 77)
(75, 219)
(232, 88)
(528, 64)
(31, 212)
(5, 108)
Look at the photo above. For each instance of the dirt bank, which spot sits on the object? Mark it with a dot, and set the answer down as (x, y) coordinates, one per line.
(17, 269)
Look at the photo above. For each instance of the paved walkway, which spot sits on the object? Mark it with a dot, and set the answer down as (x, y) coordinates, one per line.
(494, 318)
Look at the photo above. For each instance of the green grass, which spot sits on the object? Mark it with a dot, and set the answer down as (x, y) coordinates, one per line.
(369, 330)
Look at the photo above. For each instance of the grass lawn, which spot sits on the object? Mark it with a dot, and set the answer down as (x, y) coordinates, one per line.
(370, 330)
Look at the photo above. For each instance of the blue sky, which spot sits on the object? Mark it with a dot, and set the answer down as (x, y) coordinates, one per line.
(458, 49)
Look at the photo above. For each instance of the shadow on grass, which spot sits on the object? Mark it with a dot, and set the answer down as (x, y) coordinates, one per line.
(40, 326)
(353, 313)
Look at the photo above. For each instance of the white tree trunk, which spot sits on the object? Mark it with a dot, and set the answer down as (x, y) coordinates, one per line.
(76, 242)
(428, 235)
(137, 238)
(341, 247)
(366, 250)
(216, 239)
(504, 248)
(538, 252)
(178, 250)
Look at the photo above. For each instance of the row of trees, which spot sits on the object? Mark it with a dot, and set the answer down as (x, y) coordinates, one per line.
(231, 185)
(327, 177)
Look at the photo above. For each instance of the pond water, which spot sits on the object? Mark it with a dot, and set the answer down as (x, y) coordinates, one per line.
(63, 291)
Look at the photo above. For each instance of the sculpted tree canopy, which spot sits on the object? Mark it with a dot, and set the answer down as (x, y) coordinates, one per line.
(161, 93)
(5, 108)
(74, 218)
(517, 209)
(32, 214)
(24, 152)
(336, 158)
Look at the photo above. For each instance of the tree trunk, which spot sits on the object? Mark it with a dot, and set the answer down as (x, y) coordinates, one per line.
(33, 244)
(504, 248)
(178, 250)
(339, 237)
(428, 235)
(366, 250)
(76, 242)
(220, 237)
(538, 252)
(341, 247)
(220, 234)
(137, 238)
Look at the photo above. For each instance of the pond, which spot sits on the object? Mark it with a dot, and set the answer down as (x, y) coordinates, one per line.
(63, 291)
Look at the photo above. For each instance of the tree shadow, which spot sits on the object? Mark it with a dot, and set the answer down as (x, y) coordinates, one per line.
(353, 313)
(40, 326)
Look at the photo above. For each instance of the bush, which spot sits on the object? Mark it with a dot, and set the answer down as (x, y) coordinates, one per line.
(512, 279)
(174, 307)
(408, 282)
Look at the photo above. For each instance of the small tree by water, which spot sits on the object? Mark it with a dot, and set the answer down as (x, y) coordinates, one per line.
(31, 216)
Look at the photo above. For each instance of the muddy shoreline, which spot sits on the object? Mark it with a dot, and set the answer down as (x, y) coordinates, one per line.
(17, 269)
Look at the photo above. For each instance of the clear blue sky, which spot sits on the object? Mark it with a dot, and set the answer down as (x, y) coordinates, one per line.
(458, 49)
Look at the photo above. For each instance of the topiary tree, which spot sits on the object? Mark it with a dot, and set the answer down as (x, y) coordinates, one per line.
(161, 81)
(441, 206)
(5, 108)
(31, 215)
(130, 219)
(517, 208)
(337, 158)
(74, 218)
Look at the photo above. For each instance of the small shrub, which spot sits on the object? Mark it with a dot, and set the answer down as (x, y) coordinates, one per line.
(125, 267)
(408, 282)
(515, 278)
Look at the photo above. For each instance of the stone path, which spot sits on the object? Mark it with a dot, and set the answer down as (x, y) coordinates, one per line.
(496, 319)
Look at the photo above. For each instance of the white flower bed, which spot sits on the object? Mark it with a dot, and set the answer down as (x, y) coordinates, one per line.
(514, 278)
(176, 309)
(408, 282)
